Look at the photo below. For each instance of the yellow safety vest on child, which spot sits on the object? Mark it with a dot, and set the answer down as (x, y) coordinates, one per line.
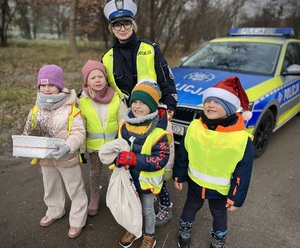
(73, 112)
(213, 155)
(152, 180)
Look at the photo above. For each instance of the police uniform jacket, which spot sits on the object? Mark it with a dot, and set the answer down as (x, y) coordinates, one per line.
(125, 71)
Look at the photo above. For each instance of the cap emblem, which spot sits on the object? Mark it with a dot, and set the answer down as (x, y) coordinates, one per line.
(119, 4)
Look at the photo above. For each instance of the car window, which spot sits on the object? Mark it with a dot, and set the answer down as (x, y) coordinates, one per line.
(244, 57)
(292, 55)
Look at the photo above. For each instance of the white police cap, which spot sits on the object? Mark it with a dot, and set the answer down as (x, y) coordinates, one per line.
(116, 10)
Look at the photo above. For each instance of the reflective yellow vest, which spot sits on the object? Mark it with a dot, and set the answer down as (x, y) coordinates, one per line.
(144, 63)
(96, 136)
(213, 155)
(73, 112)
(152, 180)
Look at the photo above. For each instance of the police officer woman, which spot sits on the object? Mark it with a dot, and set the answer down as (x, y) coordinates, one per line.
(131, 59)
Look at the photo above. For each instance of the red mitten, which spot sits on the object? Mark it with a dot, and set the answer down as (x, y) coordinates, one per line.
(126, 158)
(161, 112)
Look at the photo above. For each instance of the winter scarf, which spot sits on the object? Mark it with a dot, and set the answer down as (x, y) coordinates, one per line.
(51, 102)
(141, 126)
(103, 96)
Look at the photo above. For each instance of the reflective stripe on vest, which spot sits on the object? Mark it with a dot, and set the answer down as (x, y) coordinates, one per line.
(144, 63)
(95, 135)
(104, 136)
(152, 180)
(213, 155)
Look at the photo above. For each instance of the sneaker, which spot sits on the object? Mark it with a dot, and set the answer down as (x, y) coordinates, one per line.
(74, 232)
(127, 240)
(217, 241)
(184, 238)
(164, 215)
(47, 221)
(149, 241)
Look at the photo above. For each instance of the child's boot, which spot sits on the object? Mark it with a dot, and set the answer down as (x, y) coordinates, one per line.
(127, 240)
(218, 239)
(94, 204)
(149, 241)
(164, 215)
(184, 234)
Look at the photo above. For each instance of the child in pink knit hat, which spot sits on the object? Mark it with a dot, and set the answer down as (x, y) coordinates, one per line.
(102, 111)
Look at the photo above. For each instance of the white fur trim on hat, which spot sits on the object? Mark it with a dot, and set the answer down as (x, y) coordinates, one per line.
(222, 94)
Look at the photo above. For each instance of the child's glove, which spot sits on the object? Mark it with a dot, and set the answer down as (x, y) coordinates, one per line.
(62, 150)
(126, 158)
(168, 174)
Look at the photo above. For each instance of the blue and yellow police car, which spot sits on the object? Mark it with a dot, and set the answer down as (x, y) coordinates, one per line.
(267, 62)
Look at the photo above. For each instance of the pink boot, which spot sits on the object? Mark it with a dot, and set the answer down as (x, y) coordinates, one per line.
(94, 204)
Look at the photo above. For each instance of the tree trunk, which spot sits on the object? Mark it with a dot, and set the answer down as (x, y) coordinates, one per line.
(72, 28)
(4, 14)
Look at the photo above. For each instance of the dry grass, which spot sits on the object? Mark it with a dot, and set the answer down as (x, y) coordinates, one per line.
(19, 65)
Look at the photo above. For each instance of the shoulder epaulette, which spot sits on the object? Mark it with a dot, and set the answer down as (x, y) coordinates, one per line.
(148, 42)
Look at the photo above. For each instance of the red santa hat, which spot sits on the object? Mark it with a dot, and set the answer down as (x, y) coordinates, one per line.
(230, 90)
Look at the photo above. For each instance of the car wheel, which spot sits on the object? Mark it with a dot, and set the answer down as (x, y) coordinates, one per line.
(263, 133)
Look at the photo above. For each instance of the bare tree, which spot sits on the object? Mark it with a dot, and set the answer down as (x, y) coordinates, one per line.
(158, 21)
(276, 13)
(7, 14)
(72, 28)
(172, 23)
(22, 19)
(35, 11)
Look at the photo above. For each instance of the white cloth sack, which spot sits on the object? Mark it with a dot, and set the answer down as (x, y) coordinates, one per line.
(122, 198)
(110, 150)
(124, 202)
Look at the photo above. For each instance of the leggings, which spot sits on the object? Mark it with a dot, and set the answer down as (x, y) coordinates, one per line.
(164, 195)
(95, 172)
(217, 209)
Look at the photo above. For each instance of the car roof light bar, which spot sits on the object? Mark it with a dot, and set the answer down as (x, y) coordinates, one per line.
(280, 32)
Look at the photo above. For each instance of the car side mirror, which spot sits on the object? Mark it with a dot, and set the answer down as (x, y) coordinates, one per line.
(292, 70)
(183, 59)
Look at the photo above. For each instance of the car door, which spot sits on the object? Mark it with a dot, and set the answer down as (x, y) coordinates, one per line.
(289, 104)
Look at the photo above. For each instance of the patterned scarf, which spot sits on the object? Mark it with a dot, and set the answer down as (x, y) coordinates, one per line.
(103, 96)
(51, 102)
